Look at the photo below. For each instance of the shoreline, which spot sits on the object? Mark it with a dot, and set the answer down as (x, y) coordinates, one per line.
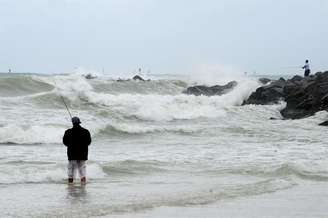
(302, 201)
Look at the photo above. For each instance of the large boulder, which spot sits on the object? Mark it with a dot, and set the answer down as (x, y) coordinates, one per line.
(264, 81)
(325, 123)
(90, 76)
(210, 90)
(268, 94)
(306, 97)
(137, 77)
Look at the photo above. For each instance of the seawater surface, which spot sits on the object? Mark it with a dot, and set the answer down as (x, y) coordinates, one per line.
(156, 152)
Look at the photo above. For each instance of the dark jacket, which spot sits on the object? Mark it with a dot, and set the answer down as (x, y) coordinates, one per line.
(77, 140)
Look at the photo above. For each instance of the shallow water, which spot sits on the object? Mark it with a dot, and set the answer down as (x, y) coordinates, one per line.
(156, 152)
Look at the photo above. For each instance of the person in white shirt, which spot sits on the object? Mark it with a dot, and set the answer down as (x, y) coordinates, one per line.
(306, 67)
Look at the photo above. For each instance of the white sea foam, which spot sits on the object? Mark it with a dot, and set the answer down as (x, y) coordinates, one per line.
(25, 172)
(70, 86)
(143, 128)
(32, 134)
(214, 74)
(170, 107)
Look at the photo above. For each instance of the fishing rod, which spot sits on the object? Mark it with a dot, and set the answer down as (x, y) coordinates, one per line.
(66, 106)
(277, 68)
(62, 98)
(291, 67)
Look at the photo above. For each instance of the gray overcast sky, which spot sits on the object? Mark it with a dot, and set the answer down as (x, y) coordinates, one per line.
(165, 36)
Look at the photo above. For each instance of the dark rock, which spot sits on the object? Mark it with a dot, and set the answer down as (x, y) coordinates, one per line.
(304, 95)
(122, 80)
(296, 78)
(89, 76)
(325, 123)
(268, 94)
(137, 77)
(264, 81)
(210, 91)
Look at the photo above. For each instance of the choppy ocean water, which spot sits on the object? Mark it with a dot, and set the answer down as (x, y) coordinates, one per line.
(156, 152)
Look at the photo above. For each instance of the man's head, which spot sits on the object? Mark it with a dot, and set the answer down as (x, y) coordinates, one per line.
(75, 121)
(306, 61)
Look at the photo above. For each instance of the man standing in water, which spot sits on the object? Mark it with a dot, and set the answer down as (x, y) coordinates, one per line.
(306, 67)
(77, 140)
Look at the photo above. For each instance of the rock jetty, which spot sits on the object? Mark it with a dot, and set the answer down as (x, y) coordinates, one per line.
(304, 95)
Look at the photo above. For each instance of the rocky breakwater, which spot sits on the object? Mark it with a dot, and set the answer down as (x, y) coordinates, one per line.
(304, 95)
(210, 90)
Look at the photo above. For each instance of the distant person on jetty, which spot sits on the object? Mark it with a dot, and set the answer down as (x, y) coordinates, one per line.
(306, 67)
(77, 140)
